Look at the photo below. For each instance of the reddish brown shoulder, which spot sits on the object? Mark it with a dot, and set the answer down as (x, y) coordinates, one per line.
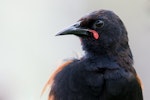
(51, 97)
(139, 81)
(51, 79)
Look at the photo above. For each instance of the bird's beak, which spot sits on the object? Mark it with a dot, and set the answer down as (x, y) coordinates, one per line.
(75, 30)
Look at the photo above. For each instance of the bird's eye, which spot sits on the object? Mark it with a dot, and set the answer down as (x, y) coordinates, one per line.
(99, 23)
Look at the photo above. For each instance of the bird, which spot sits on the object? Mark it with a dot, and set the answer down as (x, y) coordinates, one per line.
(106, 71)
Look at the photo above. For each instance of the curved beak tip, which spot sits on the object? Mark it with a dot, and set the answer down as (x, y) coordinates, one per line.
(73, 31)
(58, 34)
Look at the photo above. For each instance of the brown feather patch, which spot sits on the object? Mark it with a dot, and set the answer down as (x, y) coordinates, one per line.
(51, 79)
(139, 81)
(51, 97)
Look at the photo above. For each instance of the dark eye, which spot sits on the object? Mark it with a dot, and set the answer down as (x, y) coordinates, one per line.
(99, 23)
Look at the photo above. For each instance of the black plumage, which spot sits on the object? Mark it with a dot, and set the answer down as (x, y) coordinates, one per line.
(106, 70)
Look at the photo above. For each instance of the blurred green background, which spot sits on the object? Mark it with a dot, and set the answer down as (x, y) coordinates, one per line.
(29, 50)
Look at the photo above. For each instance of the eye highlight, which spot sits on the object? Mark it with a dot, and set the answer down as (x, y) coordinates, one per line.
(99, 24)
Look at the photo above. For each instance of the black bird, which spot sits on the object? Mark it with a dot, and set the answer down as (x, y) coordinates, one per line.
(106, 70)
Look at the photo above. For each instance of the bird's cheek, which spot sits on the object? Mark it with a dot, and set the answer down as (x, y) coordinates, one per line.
(95, 34)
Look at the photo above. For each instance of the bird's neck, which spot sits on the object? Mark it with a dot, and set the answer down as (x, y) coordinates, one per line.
(122, 57)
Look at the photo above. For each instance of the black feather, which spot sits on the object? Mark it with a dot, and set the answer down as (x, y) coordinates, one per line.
(106, 71)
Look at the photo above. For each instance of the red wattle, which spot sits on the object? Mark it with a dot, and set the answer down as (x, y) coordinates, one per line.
(95, 34)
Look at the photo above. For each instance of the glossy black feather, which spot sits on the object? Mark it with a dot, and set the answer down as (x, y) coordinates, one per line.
(97, 81)
(106, 71)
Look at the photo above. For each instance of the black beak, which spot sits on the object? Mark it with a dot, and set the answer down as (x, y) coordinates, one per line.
(75, 30)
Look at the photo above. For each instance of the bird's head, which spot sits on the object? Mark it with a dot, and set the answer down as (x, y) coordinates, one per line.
(100, 32)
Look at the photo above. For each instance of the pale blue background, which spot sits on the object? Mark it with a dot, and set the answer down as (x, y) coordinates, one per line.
(29, 50)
